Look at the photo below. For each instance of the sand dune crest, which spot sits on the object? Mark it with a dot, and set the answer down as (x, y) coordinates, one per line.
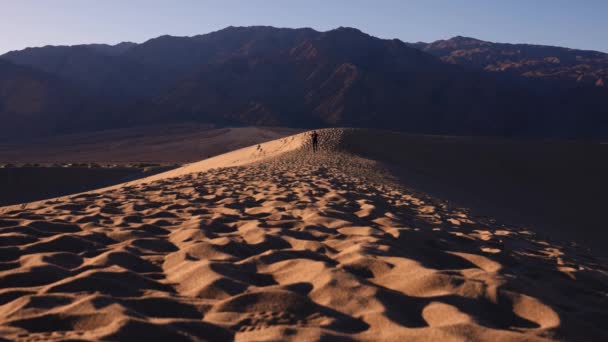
(281, 244)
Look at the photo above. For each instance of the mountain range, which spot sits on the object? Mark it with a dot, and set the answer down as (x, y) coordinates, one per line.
(305, 78)
(531, 61)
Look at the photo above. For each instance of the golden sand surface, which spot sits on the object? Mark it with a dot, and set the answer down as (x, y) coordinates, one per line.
(273, 242)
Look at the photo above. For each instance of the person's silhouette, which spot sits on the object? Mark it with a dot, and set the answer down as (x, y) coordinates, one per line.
(314, 137)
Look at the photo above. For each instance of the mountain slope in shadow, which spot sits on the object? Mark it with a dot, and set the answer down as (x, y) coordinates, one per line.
(528, 60)
(304, 78)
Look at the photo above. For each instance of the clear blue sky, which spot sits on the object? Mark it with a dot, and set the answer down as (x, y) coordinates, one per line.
(572, 23)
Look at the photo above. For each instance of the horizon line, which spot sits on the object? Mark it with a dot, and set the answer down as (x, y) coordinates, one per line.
(294, 28)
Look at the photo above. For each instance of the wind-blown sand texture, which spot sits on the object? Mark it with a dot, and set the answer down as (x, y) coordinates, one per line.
(286, 245)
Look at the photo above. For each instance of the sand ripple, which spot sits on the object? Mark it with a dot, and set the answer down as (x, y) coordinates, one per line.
(290, 249)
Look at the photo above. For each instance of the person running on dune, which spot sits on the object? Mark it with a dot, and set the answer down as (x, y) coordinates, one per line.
(314, 138)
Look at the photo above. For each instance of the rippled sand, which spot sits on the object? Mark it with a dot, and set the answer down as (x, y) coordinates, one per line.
(286, 245)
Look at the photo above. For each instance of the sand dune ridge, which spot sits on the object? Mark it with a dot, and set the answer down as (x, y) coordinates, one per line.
(283, 244)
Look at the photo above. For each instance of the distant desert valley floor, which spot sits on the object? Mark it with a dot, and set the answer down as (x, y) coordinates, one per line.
(379, 236)
(45, 168)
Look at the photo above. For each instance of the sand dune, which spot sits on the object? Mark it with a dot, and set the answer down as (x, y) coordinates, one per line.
(122, 149)
(172, 143)
(275, 243)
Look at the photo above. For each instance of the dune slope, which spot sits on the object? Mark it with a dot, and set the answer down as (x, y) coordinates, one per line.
(286, 245)
(171, 143)
(117, 148)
